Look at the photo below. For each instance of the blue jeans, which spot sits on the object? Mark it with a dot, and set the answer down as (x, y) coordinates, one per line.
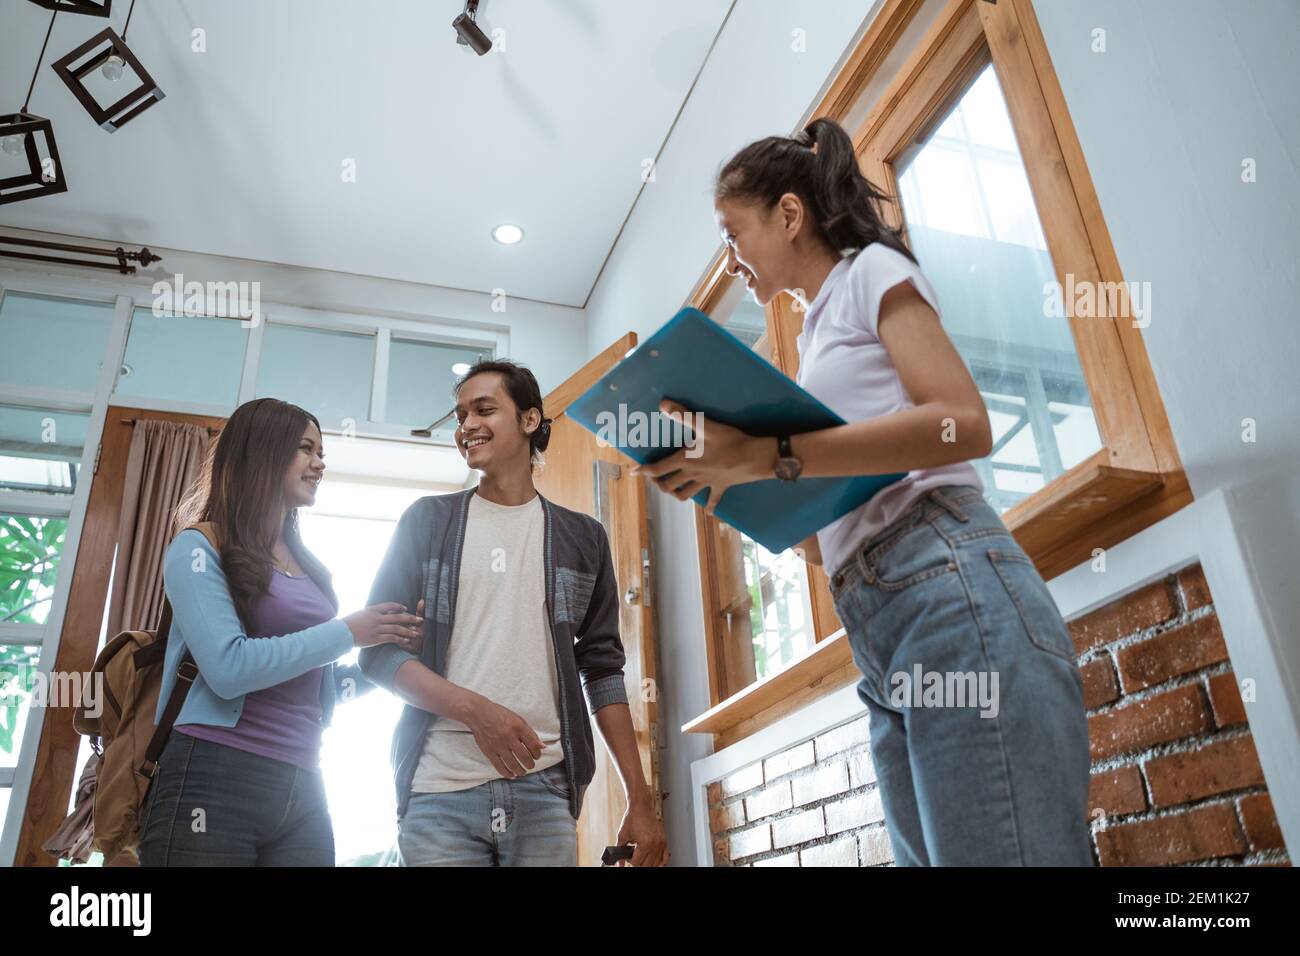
(972, 687)
(520, 822)
(255, 811)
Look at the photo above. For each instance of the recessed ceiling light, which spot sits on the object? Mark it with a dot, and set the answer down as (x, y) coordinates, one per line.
(507, 234)
(460, 368)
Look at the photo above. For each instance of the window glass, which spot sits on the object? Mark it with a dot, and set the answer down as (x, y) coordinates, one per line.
(40, 449)
(765, 599)
(421, 377)
(973, 226)
(328, 373)
(30, 549)
(183, 358)
(17, 677)
(53, 343)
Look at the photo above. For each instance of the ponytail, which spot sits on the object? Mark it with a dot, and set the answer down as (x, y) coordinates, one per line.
(819, 166)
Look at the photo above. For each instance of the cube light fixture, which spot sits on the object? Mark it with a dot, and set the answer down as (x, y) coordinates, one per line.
(108, 48)
(32, 136)
(92, 8)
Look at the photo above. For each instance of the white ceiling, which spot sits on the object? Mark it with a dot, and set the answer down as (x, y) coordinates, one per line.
(244, 156)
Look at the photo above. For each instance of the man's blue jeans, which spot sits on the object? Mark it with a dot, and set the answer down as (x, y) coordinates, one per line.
(972, 686)
(520, 822)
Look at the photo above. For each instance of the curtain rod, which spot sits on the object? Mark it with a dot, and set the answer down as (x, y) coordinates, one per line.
(132, 421)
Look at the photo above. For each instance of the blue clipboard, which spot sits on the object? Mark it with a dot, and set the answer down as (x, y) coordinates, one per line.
(696, 362)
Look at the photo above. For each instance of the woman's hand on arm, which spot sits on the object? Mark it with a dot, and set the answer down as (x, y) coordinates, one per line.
(387, 623)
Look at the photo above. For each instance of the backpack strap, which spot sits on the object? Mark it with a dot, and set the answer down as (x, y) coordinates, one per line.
(185, 674)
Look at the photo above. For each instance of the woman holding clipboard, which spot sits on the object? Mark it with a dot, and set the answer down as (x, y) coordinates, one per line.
(926, 578)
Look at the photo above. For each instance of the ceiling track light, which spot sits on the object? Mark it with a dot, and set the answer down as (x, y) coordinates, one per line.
(109, 51)
(468, 32)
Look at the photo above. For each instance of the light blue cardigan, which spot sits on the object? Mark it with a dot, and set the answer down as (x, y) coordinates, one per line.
(232, 664)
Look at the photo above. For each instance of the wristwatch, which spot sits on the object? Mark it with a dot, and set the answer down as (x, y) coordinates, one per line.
(787, 466)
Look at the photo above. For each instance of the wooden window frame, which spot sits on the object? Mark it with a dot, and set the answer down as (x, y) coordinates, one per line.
(1133, 481)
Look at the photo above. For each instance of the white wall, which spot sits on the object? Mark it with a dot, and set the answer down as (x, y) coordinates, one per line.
(1185, 91)
(752, 86)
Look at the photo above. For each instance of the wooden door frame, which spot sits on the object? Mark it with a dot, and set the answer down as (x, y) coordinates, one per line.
(56, 753)
(628, 497)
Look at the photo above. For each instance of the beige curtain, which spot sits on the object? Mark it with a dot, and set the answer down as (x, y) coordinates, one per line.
(164, 460)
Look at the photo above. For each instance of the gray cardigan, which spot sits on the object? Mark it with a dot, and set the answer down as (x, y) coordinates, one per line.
(423, 561)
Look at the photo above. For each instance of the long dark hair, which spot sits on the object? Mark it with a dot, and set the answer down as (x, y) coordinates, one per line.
(819, 166)
(241, 488)
(521, 385)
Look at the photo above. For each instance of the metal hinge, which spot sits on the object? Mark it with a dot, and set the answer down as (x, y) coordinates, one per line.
(645, 577)
(98, 451)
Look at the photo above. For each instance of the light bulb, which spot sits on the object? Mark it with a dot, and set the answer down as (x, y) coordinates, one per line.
(113, 67)
(13, 145)
(507, 234)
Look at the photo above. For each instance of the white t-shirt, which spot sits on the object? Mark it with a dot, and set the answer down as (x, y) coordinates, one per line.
(844, 365)
(500, 647)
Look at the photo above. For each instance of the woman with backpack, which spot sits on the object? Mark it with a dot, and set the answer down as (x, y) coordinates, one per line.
(925, 576)
(238, 782)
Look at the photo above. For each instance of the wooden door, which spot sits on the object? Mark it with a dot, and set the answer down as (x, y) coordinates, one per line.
(581, 475)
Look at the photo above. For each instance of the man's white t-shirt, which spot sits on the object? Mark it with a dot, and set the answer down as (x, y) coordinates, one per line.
(501, 645)
(843, 363)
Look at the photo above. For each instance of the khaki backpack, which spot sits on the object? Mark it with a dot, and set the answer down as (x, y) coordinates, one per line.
(130, 671)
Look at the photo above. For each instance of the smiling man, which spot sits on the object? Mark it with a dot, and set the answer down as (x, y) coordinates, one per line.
(494, 751)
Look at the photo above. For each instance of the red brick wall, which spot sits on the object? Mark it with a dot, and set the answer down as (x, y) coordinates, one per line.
(1175, 776)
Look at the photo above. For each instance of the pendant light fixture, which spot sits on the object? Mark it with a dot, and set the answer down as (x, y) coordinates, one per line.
(31, 136)
(109, 53)
(93, 8)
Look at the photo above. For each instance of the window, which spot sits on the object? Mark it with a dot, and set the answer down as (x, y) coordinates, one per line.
(56, 343)
(1013, 240)
(55, 349)
(421, 378)
(40, 449)
(30, 549)
(323, 371)
(939, 96)
(972, 225)
(183, 358)
(17, 677)
(763, 617)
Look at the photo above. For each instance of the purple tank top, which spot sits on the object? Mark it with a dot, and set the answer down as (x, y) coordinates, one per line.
(282, 722)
